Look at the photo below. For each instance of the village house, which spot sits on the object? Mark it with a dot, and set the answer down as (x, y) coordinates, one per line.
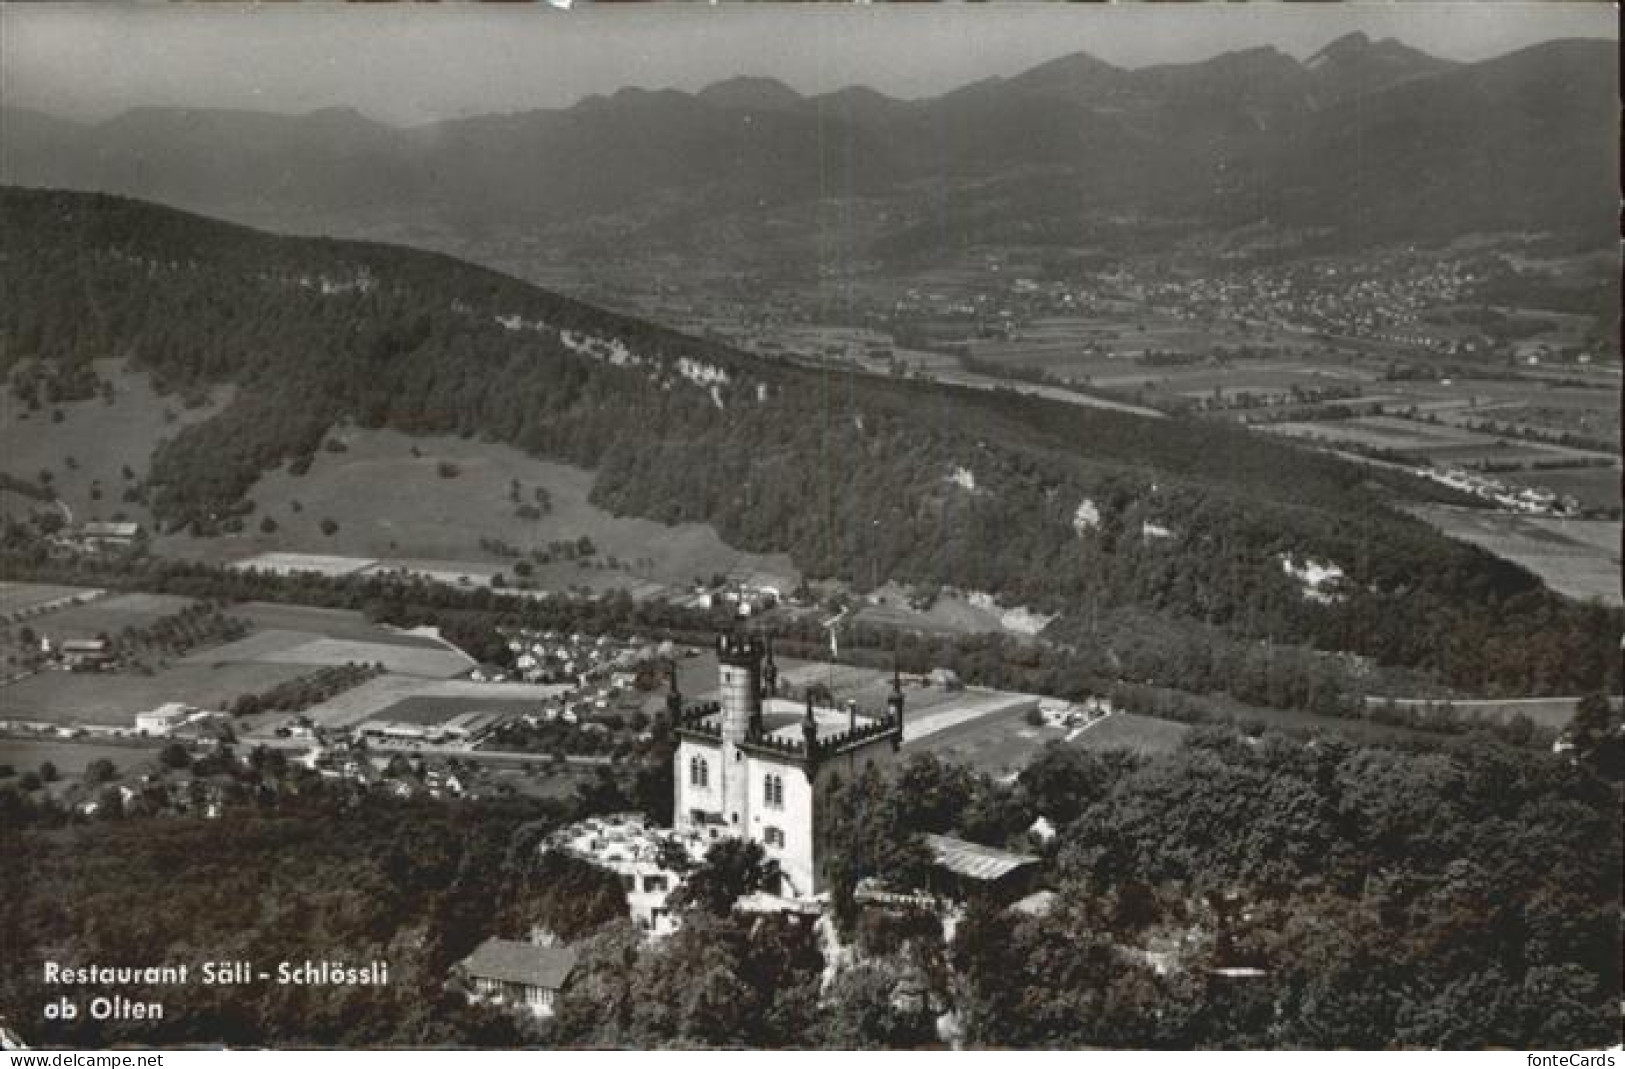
(529, 976)
(86, 654)
(164, 719)
(104, 534)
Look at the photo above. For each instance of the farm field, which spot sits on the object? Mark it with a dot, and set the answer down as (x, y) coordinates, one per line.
(424, 709)
(1073, 346)
(949, 614)
(100, 438)
(32, 598)
(1003, 745)
(397, 509)
(374, 697)
(71, 758)
(1268, 379)
(327, 564)
(303, 648)
(114, 698)
(1546, 712)
(1579, 558)
(1131, 731)
(1594, 488)
(288, 641)
(330, 623)
(1000, 745)
(1448, 445)
(108, 615)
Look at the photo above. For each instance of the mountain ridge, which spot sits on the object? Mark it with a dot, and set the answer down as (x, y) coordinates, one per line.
(1147, 140)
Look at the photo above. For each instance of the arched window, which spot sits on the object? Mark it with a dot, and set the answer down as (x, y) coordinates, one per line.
(773, 791)
(699, 773)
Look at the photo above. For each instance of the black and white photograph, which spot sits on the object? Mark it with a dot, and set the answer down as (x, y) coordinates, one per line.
(677, 526)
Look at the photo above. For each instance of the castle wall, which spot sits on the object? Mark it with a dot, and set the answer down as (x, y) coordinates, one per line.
(690, 796)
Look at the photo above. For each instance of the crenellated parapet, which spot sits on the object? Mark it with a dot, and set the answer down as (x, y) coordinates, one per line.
(864, 733)
(697, 720)
(805, 747)
(739, 648)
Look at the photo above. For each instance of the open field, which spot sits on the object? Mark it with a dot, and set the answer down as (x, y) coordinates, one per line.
(293, 563)
(303, 648)
(1580, 558)
(33, 598)
(1594, 488)
(331, 623)
(998, 746)
(71, 758)
(1445, 444)
(1273, 379)
(288, 641)
(115, 697)
(423, 709)
(374, 697)
(1104, 344)
(948, 616)
(1546, 712)
(108, 615)
(1003, 745)
(87, 452)
(1131, 731)
(397, 508)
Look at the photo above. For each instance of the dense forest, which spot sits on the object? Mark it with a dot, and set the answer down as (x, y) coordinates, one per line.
(1066, 509)
(1236, 893)
(1261, 893)
(294, 870)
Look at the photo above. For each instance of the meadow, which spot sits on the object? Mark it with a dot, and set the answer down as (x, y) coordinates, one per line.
(1580, 558)
(89, 449)
(25, 599)
(72, 758)
(108, 615)
(437, 505)
(287, 642)
(113, 698)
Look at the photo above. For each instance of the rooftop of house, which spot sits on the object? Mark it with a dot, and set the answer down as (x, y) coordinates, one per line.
(169, 712)
(973, 860)
(513, 962)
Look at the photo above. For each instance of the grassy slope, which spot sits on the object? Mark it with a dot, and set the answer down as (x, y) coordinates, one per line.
(389, 503)
(101, 438)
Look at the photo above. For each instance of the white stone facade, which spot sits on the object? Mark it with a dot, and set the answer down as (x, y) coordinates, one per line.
(753, 765)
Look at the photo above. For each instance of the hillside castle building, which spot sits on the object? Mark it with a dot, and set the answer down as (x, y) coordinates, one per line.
(754, 765)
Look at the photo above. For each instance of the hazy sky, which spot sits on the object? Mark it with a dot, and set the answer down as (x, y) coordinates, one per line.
(415, 63)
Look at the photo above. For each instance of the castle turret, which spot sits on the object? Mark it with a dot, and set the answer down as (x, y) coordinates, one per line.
(739, 663)
(809, 729)
(770, 673)
(739, 660)
(674, 697)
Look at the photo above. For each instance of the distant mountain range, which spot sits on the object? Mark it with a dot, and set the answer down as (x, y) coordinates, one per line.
(1372, 140)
